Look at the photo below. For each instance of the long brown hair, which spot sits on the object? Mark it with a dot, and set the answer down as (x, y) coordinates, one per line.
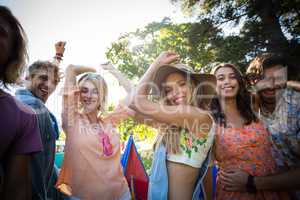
(170, 135)
(13, 67)
(243, 100)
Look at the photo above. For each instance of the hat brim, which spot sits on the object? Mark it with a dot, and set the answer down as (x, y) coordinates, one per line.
(208, 81)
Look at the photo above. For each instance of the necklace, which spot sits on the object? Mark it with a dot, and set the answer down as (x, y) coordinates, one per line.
(105, 141)
(103, 137)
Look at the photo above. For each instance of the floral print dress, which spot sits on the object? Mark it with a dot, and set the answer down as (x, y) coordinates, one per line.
(247, 149)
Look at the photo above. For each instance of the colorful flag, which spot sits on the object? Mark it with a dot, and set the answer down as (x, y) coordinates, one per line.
(134, 171)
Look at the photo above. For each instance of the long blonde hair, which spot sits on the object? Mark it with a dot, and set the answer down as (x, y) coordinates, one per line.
(101, 86)
(170, 136)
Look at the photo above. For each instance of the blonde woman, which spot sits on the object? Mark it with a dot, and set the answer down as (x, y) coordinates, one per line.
(91, 168)
(186, 129)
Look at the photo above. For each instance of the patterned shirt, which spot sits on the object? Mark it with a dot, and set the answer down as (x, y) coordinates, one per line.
(284, 126)
(194, 149)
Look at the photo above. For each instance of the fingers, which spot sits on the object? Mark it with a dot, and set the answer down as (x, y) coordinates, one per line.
(229, 184)
(60, 47)
(168, 55)
(62, 43)
(170, 58)
(230, 188)
(106, 66)
(227, 177)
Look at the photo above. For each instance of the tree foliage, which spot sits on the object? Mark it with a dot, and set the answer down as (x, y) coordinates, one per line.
(268, 25)
(198, 44)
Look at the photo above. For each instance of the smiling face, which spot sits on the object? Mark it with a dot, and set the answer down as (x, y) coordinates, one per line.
(274, 80)
(176, 89)
(227, 83)
(89, 96)
(42, 83)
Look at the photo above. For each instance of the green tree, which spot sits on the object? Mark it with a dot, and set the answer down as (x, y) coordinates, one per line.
(141, 132)
(198, 44)
(268, 25)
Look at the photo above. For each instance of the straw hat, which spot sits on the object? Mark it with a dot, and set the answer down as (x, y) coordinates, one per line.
(205, 82)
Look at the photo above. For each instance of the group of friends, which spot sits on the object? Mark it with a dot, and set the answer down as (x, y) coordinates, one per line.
(245, 128)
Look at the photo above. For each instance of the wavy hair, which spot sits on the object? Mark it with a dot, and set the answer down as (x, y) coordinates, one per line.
(13, 67)
(243, 100)
(101, 86)
(170, 136)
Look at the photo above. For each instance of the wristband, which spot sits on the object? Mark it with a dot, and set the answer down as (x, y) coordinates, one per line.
(250, 186)
(59, 54)
(57, 57)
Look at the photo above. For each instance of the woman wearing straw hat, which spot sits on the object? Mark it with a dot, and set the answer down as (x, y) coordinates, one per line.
(185, 127)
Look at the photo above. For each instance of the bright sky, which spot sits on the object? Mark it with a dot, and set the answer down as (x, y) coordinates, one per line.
(88, 26)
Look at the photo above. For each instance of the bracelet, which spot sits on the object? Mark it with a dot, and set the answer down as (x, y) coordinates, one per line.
(250, 186)
(59, 54)
(57, 57)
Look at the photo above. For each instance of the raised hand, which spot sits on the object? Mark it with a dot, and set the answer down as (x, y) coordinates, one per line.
(166, 57)
(60, 48)
(123, 80)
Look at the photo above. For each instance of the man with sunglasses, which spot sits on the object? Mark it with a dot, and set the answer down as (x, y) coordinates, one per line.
(279, 108)
(41, 81)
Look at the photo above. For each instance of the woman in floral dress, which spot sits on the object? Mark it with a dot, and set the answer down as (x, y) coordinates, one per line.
(241, 140)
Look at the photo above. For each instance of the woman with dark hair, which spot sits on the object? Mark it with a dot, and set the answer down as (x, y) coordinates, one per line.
(241, 140)
(242, 97)
(13, 55)
(19, 136)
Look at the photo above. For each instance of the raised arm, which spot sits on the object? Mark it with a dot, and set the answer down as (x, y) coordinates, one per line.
(124, 82)
(164, 58)
(74, 70)
(59, 52)
(71, 95)
(294, 84)
(185, 116)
